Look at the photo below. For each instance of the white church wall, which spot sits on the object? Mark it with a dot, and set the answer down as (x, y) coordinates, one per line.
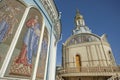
(92, 54)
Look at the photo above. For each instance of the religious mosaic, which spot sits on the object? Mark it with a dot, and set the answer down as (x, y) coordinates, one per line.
(82, 38)
(43, 56)
(24, 54)
(11, 12)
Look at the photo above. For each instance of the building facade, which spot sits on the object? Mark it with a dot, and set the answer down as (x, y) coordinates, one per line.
(87, 56)
(29, 33)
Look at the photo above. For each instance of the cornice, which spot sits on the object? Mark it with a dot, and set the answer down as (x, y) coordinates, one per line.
(54, 16)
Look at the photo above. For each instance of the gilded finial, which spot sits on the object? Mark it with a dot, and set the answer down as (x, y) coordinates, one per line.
(78, 16)
(77, 11)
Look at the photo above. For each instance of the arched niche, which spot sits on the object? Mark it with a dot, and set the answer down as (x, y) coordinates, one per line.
(23, 57)
(11, 12)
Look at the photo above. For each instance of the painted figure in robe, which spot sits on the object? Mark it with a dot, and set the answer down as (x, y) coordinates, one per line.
(7, 22)
(43, 57)
(30, 42)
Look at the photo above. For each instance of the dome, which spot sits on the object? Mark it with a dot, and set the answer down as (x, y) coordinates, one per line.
(82, 38)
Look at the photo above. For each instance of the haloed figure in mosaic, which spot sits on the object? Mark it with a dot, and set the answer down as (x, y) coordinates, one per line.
(7, 22)
(30, 42)
(43, 52)
(3, 27)
(43, 57)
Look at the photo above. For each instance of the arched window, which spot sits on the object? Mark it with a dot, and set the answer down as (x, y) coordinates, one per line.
(110, 55)
(78, 62)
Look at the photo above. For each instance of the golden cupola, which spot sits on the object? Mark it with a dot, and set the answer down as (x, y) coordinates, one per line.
(80, 26)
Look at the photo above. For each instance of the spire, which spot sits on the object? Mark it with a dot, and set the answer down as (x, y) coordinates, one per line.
(79, 21)
(80, 26)
(78, 16)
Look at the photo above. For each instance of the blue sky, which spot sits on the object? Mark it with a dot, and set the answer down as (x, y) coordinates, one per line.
(101, 16)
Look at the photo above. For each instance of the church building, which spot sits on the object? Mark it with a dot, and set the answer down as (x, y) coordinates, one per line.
(29, 33)
(87, 56)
